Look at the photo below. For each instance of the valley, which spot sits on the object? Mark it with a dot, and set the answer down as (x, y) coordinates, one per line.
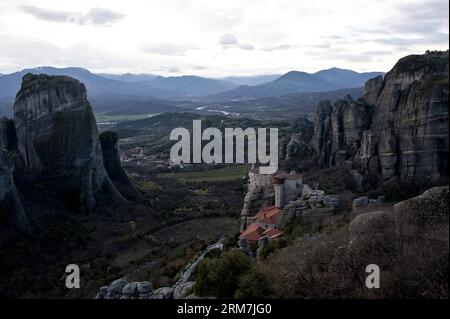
(87, 178)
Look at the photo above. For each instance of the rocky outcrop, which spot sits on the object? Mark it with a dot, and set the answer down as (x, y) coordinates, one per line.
(122, 289)
(8, 138)
(11, 207)
(372, 232)
(398, 131)
(184, 290)
(58, 140)
(372, 89)
(113, 166)
(422, 220)
(299, 145)
(425, 212)
(259, 189)
(362, 201)
(340, 129)
(322, 132)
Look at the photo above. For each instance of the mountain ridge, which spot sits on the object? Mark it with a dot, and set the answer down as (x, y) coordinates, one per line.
(294, 82)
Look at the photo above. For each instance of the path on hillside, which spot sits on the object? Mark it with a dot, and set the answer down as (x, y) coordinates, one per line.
(190, 268)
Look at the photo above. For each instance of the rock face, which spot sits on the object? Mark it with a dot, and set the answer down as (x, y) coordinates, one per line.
(398, 131)
(322, 132)
(362, 201)
(371, 231)
(58, 139)
(422, 219)
(11, 207)
(259, 194)
(299, 145)
(122, 289)
(113, 166)
(340, 129)
(426, 211)
(182, 291)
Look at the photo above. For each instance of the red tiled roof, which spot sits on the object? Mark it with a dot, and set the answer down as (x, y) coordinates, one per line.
(268, 215)
(253, 232)
(273, 233)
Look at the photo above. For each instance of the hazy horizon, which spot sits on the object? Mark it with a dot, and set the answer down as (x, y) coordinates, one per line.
(187, 75)
(217, 39)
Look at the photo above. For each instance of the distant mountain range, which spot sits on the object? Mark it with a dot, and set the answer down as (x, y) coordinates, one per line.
(296, 82)
(129, 77)
(179, 87)
(97, 86)
(252, 80)
(191, 86)
(148, 93)
(186, 85)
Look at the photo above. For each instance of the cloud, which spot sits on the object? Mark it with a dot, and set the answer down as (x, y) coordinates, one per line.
(229, 40)
(340, 54)
(280, 47)
(174, 69)
(197, 67)
(166, 49)
(245, 46)
(378, 52)
(95, 16)
(437, 38)
(420, 18)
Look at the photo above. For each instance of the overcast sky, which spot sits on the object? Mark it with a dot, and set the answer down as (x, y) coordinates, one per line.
(218, 37)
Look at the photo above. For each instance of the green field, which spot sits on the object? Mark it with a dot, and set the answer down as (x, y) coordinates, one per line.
(121, 118)
(212, 175)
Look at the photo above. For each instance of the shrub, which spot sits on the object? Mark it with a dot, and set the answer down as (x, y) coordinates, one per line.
(273, 246)
(220, 276)
(254, 285)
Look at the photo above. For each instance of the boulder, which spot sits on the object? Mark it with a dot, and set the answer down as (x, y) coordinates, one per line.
(183, 290)
(147, 295)
(362, 201)
(332, 201)
(426, 211)
(163, 293)
(381, 199)
(144, 287)
(372, 232)
(130, 289)
(117, 286)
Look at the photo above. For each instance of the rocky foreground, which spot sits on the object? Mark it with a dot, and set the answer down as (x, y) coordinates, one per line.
(123, 289)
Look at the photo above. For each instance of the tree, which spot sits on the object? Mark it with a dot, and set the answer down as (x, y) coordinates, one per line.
(220, 276)
(254, 285)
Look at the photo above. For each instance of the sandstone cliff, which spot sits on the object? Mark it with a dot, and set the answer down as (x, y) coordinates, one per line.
(113, 166)
(299, 145)
(398, 131)
(58, 140)
(11, 207)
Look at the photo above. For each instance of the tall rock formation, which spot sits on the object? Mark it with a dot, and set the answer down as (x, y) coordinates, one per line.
(398, 131)
(111, 159)
(322, 132)
(11, 207)
(58, 140)
(299, 145)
